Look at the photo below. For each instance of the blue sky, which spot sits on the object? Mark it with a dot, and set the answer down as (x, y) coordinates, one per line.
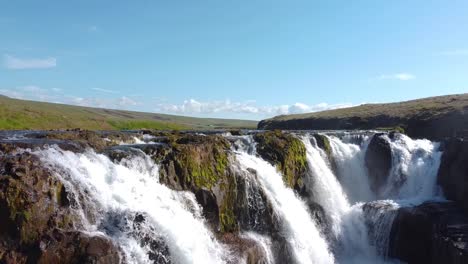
(236, 59)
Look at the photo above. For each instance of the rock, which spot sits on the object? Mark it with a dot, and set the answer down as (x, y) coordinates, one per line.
(77, 247)
(378, 160)
(286, 152)
(453, 171)
(431, 233)
(36, 221)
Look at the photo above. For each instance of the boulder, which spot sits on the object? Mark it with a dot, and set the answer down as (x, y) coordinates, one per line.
(378, 161)
(287, 153)
(453, 171)
(431, 233)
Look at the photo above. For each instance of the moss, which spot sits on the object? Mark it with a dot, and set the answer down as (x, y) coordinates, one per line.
(201, 161)
(324, 143)
(398, 129)
(287, 152)
(227, 217)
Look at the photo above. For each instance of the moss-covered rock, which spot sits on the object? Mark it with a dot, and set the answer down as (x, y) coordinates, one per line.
(34, 205)
(287, 153)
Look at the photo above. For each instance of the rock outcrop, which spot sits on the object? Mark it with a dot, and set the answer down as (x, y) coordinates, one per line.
(431, 233)
(378, 161)
(285, 151)
(453, 171)
(37, 224)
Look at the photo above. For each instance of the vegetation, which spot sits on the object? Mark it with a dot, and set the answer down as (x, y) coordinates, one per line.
(430, 106)
(287, 152)
(22, 114)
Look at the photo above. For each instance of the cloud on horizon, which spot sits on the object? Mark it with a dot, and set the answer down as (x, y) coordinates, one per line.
(15, 63)
(397, 76)
(190, 107)
(194, 107)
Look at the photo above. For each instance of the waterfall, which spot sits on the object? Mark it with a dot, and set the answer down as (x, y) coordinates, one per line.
(150, 222)
(340, 184)
(348, 226)
(413, 178)
(301, 233)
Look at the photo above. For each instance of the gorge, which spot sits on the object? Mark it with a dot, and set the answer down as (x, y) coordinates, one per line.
(80, 196)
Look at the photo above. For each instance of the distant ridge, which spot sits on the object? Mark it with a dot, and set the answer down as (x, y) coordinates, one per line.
(23, 114)
(433, 117)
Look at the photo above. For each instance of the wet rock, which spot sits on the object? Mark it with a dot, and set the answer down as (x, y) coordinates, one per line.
(378, 160)
(431, 233)
(453, 171)
(35, 217)
(77, 247)
(286, 152)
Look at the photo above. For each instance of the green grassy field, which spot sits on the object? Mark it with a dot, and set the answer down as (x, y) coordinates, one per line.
(22, 114)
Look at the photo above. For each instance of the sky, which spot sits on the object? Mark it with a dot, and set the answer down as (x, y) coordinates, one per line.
(249, 59)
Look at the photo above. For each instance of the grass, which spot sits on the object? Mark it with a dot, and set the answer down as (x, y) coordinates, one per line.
(430, 106)
(22, 114)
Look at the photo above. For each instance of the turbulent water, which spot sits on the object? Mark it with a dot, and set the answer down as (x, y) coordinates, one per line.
(130, 205)
(154, 224)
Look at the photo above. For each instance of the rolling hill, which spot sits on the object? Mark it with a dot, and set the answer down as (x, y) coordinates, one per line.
(23, 114)
(432, 117)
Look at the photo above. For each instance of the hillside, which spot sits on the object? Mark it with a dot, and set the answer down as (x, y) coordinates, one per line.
(22, 114)
(433, 117)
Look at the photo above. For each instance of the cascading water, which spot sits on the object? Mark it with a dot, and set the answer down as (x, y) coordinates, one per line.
(300, 231)
(348, 226)
(360, 223)
(154, 224)
(128, 204)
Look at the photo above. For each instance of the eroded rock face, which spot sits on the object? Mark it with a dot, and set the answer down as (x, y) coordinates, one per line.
(287, 152)
(378, 160)
(453, 171)
(430, 233)
(36, 221)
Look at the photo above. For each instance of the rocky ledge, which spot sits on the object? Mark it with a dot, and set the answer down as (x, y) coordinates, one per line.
(431, 233)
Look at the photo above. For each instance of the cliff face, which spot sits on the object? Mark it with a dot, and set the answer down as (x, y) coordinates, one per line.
(431, 233)
(433, 118)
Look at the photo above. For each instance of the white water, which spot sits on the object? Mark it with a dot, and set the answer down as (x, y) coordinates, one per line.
(115, 194)
(120, 191)
(412, 181)
(265, 245)
(300, 231)
(347, 222)
(413, 178)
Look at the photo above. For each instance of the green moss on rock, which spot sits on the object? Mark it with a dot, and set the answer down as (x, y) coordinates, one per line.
(285, 151)
(324, 143)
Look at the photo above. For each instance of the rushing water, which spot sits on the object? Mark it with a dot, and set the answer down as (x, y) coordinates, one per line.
(360, 223)
(298, 227)
(154, 224)
(130, 205)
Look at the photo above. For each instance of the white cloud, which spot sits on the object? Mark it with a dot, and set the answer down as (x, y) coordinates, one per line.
(125, 101)
(15, 63)
(194, 107)
(56, 95)
(105, 90)
(93, 28)
(456, 52)
(397, 76)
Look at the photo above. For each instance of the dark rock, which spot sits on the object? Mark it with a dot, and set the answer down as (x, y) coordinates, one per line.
(286, 152)
(378, 160)
(453, 171)
(431, 233)
(77, 247)
(35, 218)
